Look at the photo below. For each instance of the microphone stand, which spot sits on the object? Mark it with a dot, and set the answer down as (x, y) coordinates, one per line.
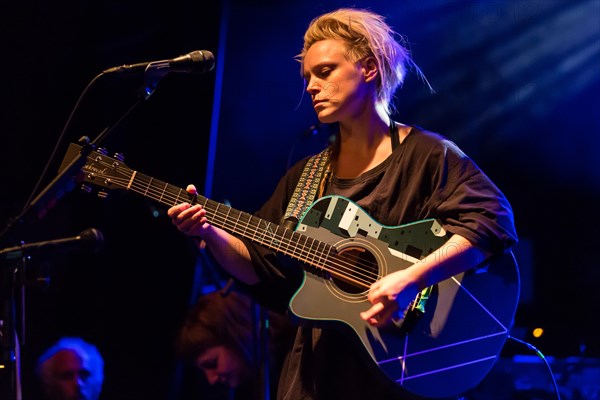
(263, 336)
(12, 283)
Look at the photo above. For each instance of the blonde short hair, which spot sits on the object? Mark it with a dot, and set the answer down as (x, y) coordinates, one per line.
(366, 34)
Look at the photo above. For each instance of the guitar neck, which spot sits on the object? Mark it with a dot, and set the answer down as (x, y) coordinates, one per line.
(112, 173)
(283, 240)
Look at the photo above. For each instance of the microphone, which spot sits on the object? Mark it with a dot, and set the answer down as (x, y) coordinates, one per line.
(90, 239)
(199, 61)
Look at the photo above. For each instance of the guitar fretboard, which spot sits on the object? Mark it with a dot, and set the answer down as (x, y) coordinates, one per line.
(311, 251)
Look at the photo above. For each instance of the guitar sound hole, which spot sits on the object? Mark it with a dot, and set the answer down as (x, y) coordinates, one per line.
(359, 268)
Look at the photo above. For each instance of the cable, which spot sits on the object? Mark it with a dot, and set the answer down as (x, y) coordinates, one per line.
(61, 138)
(541, 356)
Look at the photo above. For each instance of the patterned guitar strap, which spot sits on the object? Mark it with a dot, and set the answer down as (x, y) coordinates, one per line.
(310, 186)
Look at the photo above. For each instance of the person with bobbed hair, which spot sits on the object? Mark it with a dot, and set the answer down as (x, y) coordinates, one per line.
(71, 369)
(226, 336)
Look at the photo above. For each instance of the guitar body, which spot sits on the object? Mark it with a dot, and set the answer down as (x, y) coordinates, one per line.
(442, 348)
(440, 353)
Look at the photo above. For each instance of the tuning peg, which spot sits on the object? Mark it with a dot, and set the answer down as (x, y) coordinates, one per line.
(86, 188)
(102, 194)
(119, 156)
(102, 151)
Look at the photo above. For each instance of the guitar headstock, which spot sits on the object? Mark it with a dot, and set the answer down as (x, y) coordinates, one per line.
(100, 170)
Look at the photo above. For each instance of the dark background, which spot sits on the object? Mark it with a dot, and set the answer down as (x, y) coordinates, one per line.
(516, 87)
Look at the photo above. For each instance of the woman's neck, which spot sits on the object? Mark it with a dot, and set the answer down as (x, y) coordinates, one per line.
(363, 144)
(364, 132)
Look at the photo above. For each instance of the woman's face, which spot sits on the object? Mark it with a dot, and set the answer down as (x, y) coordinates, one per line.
(340, 89)
(223, 366)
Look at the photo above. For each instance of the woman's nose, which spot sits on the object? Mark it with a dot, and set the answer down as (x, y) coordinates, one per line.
(313, 88)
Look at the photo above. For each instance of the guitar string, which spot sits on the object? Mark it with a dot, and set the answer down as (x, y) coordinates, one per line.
(260, 232)
(220, 217)
(294, 241)
(225, 217)
(304, 248)
(154, 194)
(165, 194)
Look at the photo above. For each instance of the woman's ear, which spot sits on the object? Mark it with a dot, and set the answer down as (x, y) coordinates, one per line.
(370, 68)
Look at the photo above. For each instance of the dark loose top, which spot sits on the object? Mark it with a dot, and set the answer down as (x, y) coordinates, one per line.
(426, 176)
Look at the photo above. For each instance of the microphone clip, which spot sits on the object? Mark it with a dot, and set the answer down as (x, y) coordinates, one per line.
(153, 73)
